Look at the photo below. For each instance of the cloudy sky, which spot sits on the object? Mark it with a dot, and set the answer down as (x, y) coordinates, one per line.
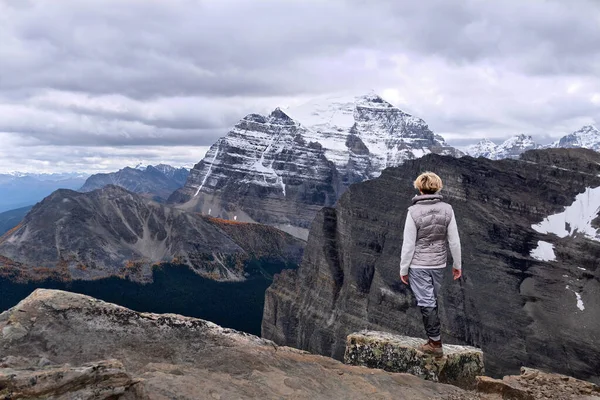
(93, 85)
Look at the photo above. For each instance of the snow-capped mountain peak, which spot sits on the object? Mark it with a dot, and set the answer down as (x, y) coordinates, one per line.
(297, 160)
(510, 148)
(515, 146)
(587, 137)
(485, 148)
(389, 135)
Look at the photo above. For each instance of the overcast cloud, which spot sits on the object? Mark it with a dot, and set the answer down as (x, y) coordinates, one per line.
(94, 85)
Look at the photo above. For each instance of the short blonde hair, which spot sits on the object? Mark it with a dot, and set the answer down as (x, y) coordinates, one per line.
(429, 183)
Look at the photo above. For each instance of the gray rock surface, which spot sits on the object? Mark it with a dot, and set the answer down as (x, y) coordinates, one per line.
(92, 381)
(175, 357)
(533, 384)
(459, 366)
(113, 232)
(519, 309)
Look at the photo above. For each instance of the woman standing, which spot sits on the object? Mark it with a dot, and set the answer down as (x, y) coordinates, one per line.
(429, 224)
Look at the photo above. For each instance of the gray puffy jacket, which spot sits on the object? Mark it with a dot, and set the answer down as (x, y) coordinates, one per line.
(429, 224)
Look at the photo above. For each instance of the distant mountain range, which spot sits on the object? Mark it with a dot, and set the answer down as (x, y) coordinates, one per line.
(587, 137)
(155, 182)
(24, 189)
(282, 168)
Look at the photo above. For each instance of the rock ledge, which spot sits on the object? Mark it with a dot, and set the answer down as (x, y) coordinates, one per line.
(459, 366)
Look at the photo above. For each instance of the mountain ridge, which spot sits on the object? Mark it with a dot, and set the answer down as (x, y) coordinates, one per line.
(113, 232)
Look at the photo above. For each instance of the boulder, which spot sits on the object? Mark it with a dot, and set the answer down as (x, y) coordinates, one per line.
(459, 366)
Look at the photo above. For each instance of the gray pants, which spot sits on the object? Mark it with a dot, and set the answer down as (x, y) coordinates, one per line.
(425, 284)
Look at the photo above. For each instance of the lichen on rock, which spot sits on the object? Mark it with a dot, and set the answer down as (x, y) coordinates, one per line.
(459, 366)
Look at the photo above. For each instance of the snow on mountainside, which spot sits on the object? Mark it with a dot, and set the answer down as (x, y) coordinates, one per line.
(485, 148)
(390, 135)
(511, 148)
(587, 137)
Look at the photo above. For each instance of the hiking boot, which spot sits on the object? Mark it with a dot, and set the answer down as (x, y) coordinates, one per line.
(433, 347)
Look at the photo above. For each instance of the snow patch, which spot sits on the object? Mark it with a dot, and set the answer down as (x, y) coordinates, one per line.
(578, 296)
(208, 172)
(577, 217)
(544, 251)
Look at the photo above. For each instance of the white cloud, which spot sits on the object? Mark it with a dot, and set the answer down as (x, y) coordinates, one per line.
(100, 74)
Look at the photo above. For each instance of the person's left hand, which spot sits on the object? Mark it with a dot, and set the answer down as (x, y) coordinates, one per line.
(457, 273)
(404, 278)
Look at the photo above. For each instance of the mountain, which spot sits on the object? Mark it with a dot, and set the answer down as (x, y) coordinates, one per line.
(587, 137)
(10, 219)
(511, 148)
(282, 168)
(113, 232)
(531, 251)
(155, 182)
(363, 135)
(19, 189)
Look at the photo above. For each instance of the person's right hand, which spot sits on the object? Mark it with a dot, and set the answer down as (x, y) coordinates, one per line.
(457, 273)
(404, 278)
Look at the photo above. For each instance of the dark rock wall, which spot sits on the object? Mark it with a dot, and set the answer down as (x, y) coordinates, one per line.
(517, 309)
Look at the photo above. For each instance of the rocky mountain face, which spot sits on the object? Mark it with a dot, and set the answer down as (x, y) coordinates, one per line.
(110, 231)
(529, 294)
(155, 182)
(282, 168)
(587, 137)
(511, 148)
(62, 345)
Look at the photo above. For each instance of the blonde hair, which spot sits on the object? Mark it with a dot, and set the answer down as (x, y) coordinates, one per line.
(429, 183)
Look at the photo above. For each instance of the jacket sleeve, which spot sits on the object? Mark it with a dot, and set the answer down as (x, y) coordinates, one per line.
(454, 242)
(408, 244)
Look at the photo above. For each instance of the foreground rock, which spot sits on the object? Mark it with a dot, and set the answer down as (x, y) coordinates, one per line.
(186, 358)
(459, 366)
(533, 384)
(97, 381)
(526, 297)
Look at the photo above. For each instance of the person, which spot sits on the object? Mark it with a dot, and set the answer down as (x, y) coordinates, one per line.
(429, 223)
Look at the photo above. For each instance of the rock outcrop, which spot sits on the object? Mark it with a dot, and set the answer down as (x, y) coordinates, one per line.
(283, 168)
(169, 356)
(460, 365)
(533, 384)
(113, 232)
(529, 295)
